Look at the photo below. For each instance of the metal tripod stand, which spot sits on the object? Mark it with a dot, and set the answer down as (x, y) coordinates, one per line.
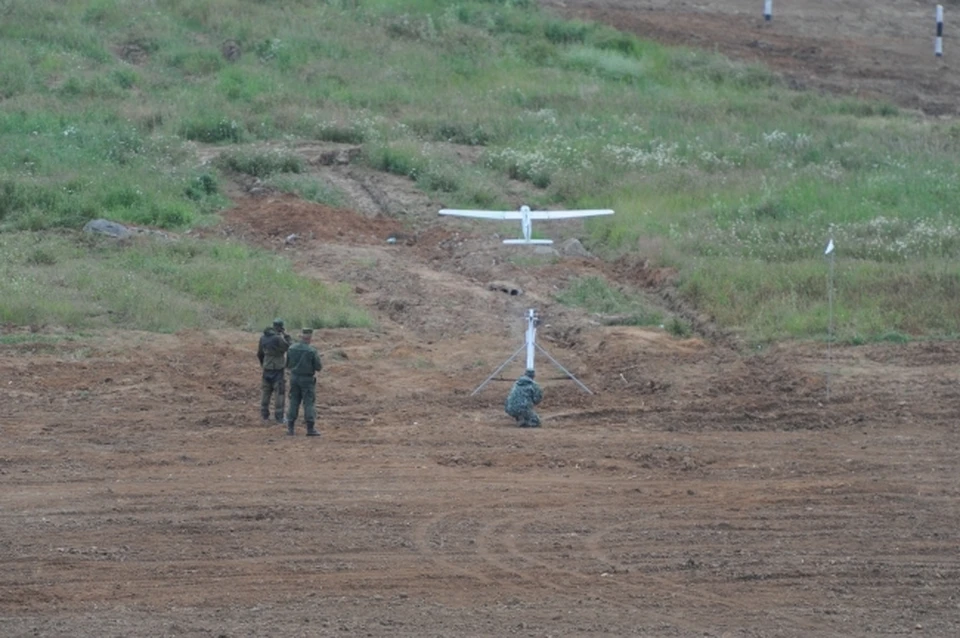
(531, 346)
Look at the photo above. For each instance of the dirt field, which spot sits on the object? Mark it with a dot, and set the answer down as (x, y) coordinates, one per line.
(702, 489)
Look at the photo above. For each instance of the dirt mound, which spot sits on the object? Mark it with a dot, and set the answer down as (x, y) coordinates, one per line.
(285, 220)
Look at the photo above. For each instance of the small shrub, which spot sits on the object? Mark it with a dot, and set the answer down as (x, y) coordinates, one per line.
(471, 134)
(124, 78)
(679, 328)
(261, 164)
(308, 189)
(341, 134)
(41, 257)
(396, 160)
(197, 63)
(564, 32)
(201, 186)
(211, 130)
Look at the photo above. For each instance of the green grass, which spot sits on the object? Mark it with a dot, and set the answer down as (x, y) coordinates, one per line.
(596, 295)
(73, 281)
(739, 179)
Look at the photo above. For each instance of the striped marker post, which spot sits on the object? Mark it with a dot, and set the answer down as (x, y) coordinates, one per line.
(938, 44)
(768, 10)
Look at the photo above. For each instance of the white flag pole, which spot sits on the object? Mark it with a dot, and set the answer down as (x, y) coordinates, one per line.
(830, 253)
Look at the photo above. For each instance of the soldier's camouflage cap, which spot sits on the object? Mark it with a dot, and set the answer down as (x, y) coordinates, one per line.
(307, 331)
(278, 322)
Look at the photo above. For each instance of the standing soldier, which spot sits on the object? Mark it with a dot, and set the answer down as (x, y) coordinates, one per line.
(303, 361)
(272, 353)
(523, 396)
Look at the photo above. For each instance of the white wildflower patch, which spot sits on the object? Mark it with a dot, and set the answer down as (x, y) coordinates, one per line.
(659, 154)
(774, 137)
(710, 160)
(548, 116)
(522, 164)
(537, 164)
(786, 141)
(830, 170)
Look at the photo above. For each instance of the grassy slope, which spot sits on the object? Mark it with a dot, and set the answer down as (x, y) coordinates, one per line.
(738, 180)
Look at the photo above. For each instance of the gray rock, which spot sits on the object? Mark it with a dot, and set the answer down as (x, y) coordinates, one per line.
(573, 248)
(120, 232)
(108, 228)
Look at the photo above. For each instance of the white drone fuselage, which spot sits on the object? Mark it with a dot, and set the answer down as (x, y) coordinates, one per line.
(526, 217)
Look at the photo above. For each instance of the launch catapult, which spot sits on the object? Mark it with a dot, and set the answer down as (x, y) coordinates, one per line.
(530, 345)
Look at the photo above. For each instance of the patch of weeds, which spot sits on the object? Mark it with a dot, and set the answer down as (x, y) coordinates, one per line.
(260, 164)
(41, 257)
(201, 186)
(396, 160)
(441, 180)
(678, 328)
(566, 32)
(855, 340)
(469, 134)
(211, 130)
(124, 78)
(596, 295)
(309, 189)
(16, 339)
(341, 134)
(772, 210)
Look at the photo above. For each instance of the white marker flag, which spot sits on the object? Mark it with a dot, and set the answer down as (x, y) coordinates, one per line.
(829, 247)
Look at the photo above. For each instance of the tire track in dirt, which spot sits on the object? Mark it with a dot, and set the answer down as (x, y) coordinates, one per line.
(692, 593)
(496, 544)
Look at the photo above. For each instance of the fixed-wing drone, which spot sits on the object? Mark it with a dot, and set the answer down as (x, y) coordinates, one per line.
(526, 217)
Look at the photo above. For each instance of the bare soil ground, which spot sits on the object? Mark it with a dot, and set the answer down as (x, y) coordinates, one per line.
(702, 489)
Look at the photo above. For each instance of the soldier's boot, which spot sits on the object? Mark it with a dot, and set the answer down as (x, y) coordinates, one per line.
(289, 428)
(311, 431)
(265, 414)
(278, 416)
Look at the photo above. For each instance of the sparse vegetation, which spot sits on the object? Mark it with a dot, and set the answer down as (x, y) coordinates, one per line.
(81, 282)
(595, 294)
(741, 178)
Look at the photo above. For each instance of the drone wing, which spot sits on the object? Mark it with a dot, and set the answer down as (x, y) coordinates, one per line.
(483, 214)
(567, 214)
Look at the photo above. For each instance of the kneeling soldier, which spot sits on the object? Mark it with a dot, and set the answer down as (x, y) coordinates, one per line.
(523, 396)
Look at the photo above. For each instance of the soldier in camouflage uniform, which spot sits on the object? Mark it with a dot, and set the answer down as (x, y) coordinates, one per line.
(523, 396)
(272, 353)
(303, 361)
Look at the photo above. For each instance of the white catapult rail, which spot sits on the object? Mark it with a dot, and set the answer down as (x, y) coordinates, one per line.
(530, 346)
